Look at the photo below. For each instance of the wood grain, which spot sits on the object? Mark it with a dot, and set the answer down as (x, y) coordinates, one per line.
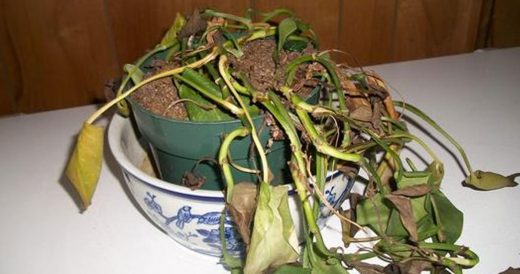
(9, 70)
(429, 28)
(137, 26)
(63, 49)
(59, 53)
(505, 25)
(322, 16)
(367, 31)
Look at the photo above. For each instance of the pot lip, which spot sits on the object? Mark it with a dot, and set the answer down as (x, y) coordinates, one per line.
(134, 104)
(115, 130)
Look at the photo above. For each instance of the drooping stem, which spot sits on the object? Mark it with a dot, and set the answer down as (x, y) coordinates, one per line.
(223, 161)
(432, 123)
(254, 134)
(199, 63)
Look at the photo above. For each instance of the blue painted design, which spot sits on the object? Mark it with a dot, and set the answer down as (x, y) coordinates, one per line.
(212, 238)
(330, 195)
(209, 236)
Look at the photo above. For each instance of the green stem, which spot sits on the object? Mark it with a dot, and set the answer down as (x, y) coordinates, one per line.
(432, 123)
(122, 106)
(321, 144)
(254, 135)
(172, 72)
(279, 111)
(223, 161)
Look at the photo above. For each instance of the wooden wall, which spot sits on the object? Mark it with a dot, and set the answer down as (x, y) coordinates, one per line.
(60, 53)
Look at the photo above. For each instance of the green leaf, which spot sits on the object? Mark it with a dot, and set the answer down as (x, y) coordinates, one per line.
(198, 107)
(448, 218)
(198, 82)
(486, 180)
(84, 164)
(170, 37)
(273, 241)
(285, 29)
(134, 72)
(414, 178)
(423, 219)
(292, 269)
(295, 44)
(374, 212)
(321, 263)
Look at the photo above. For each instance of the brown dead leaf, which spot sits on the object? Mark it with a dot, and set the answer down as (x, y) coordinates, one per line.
(362, 113)
(242, 208)
(414, 266)
(194, 25)
(404, 206)
(366, 268)
(192, 180)
(511, 270)
(413, 191)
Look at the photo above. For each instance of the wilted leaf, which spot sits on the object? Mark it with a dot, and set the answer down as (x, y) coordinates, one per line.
(292, 269)
(436, 168)
(84, 164)
(242, 208)
(413, 179)
(486, 180)
(511, 270)
(404, 206)
(413, 191)
(285, 29)
(273, 241)
(194, 25)
(320, 262)
(171, 35)
(135, 73)
(448, 218)
(414, 266)
(373, 212)
(366, 268)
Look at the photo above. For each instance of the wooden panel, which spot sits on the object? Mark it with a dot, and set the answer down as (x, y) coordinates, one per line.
(428, 28)
(64, 51)
(323, 17)
(137, 26)
(367, 31)
(505, 26)
(9, 70)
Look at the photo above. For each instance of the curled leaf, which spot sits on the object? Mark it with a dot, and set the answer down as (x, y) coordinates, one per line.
(486, 180)
(413, 191)
(274, 241)
(171, 35)
(242, 208)
(134, 72)
(84, 164)
(406, 214)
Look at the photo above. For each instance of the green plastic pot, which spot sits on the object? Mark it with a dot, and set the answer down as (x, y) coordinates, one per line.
(181, 146)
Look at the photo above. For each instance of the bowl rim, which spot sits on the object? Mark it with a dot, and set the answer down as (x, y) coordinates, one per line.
(115, 130)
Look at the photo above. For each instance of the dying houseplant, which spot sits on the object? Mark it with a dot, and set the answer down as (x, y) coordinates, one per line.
(354, 125)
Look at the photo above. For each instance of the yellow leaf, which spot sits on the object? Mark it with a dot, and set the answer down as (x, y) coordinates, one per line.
(274, 241)
(84, 164)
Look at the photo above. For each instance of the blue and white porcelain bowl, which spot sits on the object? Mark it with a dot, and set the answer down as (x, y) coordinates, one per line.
(192, 218)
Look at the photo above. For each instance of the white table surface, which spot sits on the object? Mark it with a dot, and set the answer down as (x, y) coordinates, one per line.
(476, 97)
